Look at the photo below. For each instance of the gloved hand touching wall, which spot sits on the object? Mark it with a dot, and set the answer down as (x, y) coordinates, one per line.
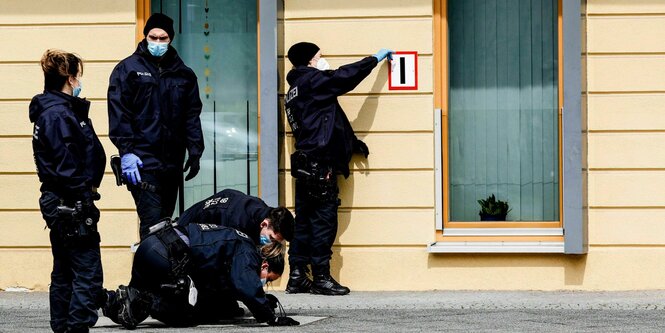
(383, 53)
(130, 168)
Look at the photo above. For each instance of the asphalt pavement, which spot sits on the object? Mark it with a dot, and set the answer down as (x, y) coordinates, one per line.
(430, 311)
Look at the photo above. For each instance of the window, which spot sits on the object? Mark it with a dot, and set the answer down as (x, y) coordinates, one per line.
(500, 81)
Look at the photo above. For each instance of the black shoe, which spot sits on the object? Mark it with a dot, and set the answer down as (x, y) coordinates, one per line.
(325, 285)
(298, 281)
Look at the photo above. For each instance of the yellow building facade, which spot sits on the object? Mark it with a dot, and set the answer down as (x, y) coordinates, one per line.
(390, 203)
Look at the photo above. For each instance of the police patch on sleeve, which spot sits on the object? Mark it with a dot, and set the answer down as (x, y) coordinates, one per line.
(209, 227)
(215, 202)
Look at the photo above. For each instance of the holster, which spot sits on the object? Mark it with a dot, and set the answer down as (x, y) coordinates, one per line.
(116, 166)
(77, 224)
(178, 253)
(323, 189)
(303, 166)
(318, 178)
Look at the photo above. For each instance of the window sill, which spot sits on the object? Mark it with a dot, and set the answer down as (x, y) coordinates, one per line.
(498, 240)
(502, 232)
(496, 247)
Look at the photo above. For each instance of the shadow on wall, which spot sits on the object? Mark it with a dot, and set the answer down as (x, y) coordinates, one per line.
(574, 266)
(365, 119)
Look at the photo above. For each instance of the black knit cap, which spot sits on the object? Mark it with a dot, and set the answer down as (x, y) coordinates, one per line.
(301, 53)
(159, 20)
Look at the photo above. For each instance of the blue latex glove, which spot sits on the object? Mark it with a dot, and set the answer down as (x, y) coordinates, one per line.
(383, 53)
(130, 168)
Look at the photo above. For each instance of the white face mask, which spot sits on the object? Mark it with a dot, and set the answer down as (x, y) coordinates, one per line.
(322, 64)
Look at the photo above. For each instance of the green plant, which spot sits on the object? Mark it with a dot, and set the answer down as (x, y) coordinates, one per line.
(493, 207)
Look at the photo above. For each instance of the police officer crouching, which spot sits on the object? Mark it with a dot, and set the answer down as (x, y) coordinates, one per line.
(70, 163)
(185, 276)
(231, 208)
(324, 142)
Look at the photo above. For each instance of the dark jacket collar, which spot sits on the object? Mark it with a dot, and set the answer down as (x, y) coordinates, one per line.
(298, 72)
(50, 98)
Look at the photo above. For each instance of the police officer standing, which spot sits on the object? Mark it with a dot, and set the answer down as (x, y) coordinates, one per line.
(231, 208)
(324, 144)
(70, 163)
(154, 108)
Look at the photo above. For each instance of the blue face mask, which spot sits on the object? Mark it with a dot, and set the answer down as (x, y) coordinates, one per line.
(264, 281)
(157, 49)
(264, 240)
(77, 90)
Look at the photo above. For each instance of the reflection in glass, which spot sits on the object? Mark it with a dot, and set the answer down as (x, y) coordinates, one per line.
(218, 40)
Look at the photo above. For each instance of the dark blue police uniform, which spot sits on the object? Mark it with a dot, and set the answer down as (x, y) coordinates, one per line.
(323, 132)
(225, 264)
(70, 162)
(154, 108)
(229, 208)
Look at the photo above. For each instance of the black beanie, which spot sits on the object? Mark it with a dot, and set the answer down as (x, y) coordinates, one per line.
(301, 53)
(159, 20)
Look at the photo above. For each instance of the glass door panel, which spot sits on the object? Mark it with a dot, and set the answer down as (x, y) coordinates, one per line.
(218, 40)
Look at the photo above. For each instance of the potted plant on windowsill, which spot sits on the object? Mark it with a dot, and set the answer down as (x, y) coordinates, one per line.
(492, 209)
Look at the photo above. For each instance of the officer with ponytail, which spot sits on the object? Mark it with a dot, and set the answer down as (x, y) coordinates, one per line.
(70, 164)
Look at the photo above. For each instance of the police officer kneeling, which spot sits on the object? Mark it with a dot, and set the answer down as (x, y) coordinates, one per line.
(182, 276)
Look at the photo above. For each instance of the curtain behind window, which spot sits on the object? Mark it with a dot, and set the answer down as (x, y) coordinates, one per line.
(503, 119)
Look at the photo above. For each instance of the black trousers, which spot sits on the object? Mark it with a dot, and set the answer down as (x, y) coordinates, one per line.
(151, 268)
(76, 284)
(315, 230)
(154, 206)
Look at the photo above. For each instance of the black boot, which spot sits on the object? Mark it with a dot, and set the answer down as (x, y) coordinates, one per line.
(324, 284)
(298, 281)
(111, 307)
(134, 307)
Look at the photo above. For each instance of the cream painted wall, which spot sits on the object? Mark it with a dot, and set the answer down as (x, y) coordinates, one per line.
(386, 218)
(626, 127)
(387, 214)
(103, 33)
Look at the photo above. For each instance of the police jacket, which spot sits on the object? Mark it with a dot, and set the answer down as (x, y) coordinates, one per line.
(69, 157)
(154, 109)
(223, 257)
(229, 208)
(319, 124)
